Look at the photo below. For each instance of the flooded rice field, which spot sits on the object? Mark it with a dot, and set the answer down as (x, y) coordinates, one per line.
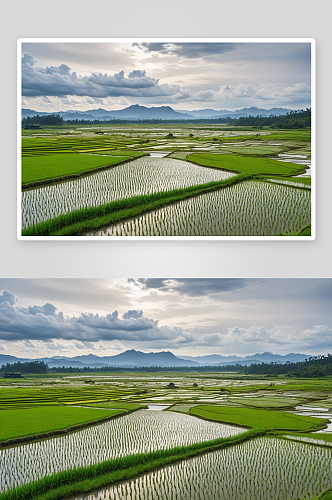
(252, 208)
(290, 183)
(139, 432)
(145, 175)
(262, 469)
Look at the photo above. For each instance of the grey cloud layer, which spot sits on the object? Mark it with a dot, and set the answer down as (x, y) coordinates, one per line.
(195, 287)
(225, 315)
(61, 81)
(188, 50)
(44, 323)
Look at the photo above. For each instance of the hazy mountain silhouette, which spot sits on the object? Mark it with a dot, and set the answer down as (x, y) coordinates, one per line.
(137, 112)
(132, 358)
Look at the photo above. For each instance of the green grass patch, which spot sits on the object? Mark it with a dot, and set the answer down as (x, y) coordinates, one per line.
(17, 423)
(41, 168)
(84, 480)
(93, 218)
(248, 417)
(255, 150)
(267, 402)
(239, 164)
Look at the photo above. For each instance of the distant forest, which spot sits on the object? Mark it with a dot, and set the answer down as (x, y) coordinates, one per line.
(42, 367)
(43, 120)
(28, 367)
(292, 120)
(316, 366)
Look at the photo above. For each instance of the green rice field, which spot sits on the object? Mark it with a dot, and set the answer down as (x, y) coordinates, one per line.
(259, 418)
(199, 409)
(159, 163)
(26, 422)
(53, 166)
(240, 164)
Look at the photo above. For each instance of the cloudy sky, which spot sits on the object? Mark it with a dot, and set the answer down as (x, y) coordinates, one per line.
(189, 316)
(185, 76)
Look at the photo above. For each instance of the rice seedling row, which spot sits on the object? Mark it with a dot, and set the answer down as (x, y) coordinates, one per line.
(138, 432)
(142, 176)
(261, 469)
(252, 208)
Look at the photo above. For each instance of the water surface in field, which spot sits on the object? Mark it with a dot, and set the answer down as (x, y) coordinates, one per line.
(158, 407)
(139, 432)
(159, 155)
(315, 412)
(262, 469)
(145, 175)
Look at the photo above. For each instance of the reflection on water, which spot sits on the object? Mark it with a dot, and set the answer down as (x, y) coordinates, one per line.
(160, 155)
(158, 407)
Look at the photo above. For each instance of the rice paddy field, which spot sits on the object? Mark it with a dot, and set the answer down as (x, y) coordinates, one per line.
(262, 469)
(138, 161)
(289, 458)
(253, 208)
(139, 432)
(142, 176)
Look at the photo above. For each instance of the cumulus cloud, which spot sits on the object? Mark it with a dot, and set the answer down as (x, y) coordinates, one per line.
(248, 94)
(277, 337)
(61, 81)
(195, 287)
(45, 323)
(187, 50)
(6, 296)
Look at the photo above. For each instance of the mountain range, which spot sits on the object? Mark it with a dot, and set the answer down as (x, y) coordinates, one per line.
(137, 112)
(132, 358)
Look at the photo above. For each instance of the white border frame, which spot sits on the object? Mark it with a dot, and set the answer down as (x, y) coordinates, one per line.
(312, 42)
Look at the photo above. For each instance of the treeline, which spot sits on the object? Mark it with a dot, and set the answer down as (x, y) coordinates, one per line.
(315, 366)
(291, 120)
(28, 367)
(42, 367)
(43, 120)
(152, 369)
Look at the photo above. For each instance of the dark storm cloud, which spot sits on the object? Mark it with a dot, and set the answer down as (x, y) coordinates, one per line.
(194, 287)
(188, 50)
(44, 323)
(61, 81)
